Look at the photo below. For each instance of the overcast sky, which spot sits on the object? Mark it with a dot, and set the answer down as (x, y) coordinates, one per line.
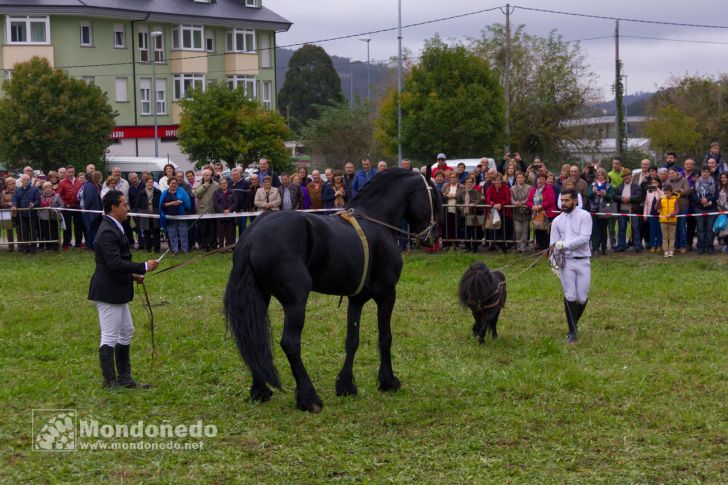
(648, 64)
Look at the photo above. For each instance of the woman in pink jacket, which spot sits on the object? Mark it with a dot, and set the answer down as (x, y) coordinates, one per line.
(542, 198)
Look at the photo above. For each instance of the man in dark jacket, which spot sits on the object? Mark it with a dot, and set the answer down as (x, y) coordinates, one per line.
(112, 289)
(629, 198)
(264, 170)
(291, 194)
(27, 196)
(135, 187)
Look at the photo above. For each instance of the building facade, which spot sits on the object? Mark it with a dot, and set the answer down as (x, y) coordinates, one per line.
(134, 50)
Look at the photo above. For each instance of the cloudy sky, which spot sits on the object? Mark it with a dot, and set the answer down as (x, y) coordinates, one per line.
(648, 63)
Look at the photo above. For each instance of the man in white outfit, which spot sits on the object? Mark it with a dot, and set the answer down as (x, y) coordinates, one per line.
(570, 236)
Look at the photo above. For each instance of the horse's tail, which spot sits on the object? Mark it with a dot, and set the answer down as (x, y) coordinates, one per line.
(246, 314)
(474, 284)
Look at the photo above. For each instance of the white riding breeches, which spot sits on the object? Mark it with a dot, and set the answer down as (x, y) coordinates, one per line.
(116, 324)
(575, 279)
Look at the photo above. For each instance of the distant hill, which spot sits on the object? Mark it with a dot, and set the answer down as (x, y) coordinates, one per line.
(636, 105)
(380, 75)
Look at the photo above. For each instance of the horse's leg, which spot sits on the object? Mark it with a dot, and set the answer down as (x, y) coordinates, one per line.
(306, 397)
(385, 305)
(493, 324)
(345, 385)
(260, 391)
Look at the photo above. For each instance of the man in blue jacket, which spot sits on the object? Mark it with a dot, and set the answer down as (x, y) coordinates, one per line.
(362, 176)
(27, 197)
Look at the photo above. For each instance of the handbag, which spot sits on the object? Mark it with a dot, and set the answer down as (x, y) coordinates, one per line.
(493, 221)
(720, 224)
(540, 221)
(607, 208)
(475, 220)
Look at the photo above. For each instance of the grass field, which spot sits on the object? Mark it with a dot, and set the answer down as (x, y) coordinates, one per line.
(642, 398)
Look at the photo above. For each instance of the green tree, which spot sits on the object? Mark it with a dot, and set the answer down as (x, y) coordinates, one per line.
(550, 83)
(49, 119)
(670, 129)
(311, 81)
(340, 134)
(688, 114)
(224, 124)
(451, 102)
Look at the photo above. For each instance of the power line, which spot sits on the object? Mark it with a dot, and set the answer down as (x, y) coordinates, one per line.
(623, 19)
(676, 40)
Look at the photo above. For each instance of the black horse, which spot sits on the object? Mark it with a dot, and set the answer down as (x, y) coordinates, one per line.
(288, 254)
(484, 292)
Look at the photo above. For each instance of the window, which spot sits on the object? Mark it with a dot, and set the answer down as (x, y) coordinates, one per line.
(27, 30)
(143, 44)
(265, 51)
(121, 94)
(210, 41)
(252, 3)
(145, 96)
(184, 83)
(119, 36)
(268, 94)
(238, 40)
(158, 44)
(88, 79)
(86, 35)
(162, 96)
(187, 37)
(247, 83)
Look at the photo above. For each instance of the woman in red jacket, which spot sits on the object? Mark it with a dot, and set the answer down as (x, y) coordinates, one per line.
(498, 195)
(542, 198)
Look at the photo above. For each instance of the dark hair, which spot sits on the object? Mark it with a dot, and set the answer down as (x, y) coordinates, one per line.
(570, 192)
(671, 153)
(705, 167)
(667, 188)
(164, 170)
(619, 159)
(653, 167)
(70, 166)
(189, 171)
(112, 198)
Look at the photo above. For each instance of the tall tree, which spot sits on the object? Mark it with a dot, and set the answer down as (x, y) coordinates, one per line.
(311, 81)
(451, 102)
(49, 119)
(687, 114)
(340, 134)
(550, 83)
(224, 124)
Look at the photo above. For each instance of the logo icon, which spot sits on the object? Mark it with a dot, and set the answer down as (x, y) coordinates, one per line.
(54, 429)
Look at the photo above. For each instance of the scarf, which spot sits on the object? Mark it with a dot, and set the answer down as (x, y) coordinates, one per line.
(538, 196)
(705, 188)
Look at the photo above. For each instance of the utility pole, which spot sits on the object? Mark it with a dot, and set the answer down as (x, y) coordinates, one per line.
(369, 98)
(507, 78)
(351, 88)
(618, 94)
(399, 84)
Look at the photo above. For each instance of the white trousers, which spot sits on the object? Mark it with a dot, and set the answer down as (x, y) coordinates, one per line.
(116, 325)
(575, 279)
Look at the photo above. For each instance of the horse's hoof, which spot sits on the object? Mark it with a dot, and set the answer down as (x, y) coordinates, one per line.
(344, 388)
(260, 394)
(309, 402)
(389, 384)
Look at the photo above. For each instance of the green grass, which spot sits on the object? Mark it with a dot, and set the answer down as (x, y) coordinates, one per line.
(641, 398)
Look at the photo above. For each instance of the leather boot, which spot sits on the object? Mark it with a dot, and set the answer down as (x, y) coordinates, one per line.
(123, 365)
(582, 307)
(106, 359)
(571, 310)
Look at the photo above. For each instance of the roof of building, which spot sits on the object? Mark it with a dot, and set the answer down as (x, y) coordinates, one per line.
(220, 12)
(603, 120)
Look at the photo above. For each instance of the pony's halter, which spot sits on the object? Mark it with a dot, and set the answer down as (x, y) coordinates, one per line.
(425, 233)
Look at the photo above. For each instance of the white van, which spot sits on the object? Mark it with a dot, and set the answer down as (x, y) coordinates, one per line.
(470, 163)
(153, 165)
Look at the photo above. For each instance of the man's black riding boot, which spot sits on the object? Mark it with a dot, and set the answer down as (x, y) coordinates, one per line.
(123, 364)
(106, 359)
(571, 309)
(582, 307)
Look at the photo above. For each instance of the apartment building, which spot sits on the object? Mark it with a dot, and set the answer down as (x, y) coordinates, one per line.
(134, 49)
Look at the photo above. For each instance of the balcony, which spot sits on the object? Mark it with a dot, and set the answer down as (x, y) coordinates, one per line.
(13, 54)
(245, 64)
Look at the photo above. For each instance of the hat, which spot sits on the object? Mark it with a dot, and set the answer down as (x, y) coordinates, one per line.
(626, 171)
(441, 155)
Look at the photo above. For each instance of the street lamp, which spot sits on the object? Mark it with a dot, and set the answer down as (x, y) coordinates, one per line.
(367, 40)
(155, 35)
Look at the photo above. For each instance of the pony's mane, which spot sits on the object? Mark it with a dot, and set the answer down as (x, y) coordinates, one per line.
(475, 285)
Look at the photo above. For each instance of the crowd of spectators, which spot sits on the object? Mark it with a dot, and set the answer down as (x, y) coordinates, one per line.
(504, 206)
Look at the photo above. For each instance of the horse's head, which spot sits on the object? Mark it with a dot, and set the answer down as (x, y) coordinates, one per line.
(423, 207)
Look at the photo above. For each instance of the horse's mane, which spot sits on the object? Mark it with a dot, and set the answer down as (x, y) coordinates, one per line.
(475, 285)
(382, 180)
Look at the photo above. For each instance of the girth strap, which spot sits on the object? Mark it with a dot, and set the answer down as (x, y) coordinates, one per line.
(365, 245)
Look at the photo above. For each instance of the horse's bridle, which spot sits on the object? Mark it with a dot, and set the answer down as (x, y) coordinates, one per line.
(423, 234)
